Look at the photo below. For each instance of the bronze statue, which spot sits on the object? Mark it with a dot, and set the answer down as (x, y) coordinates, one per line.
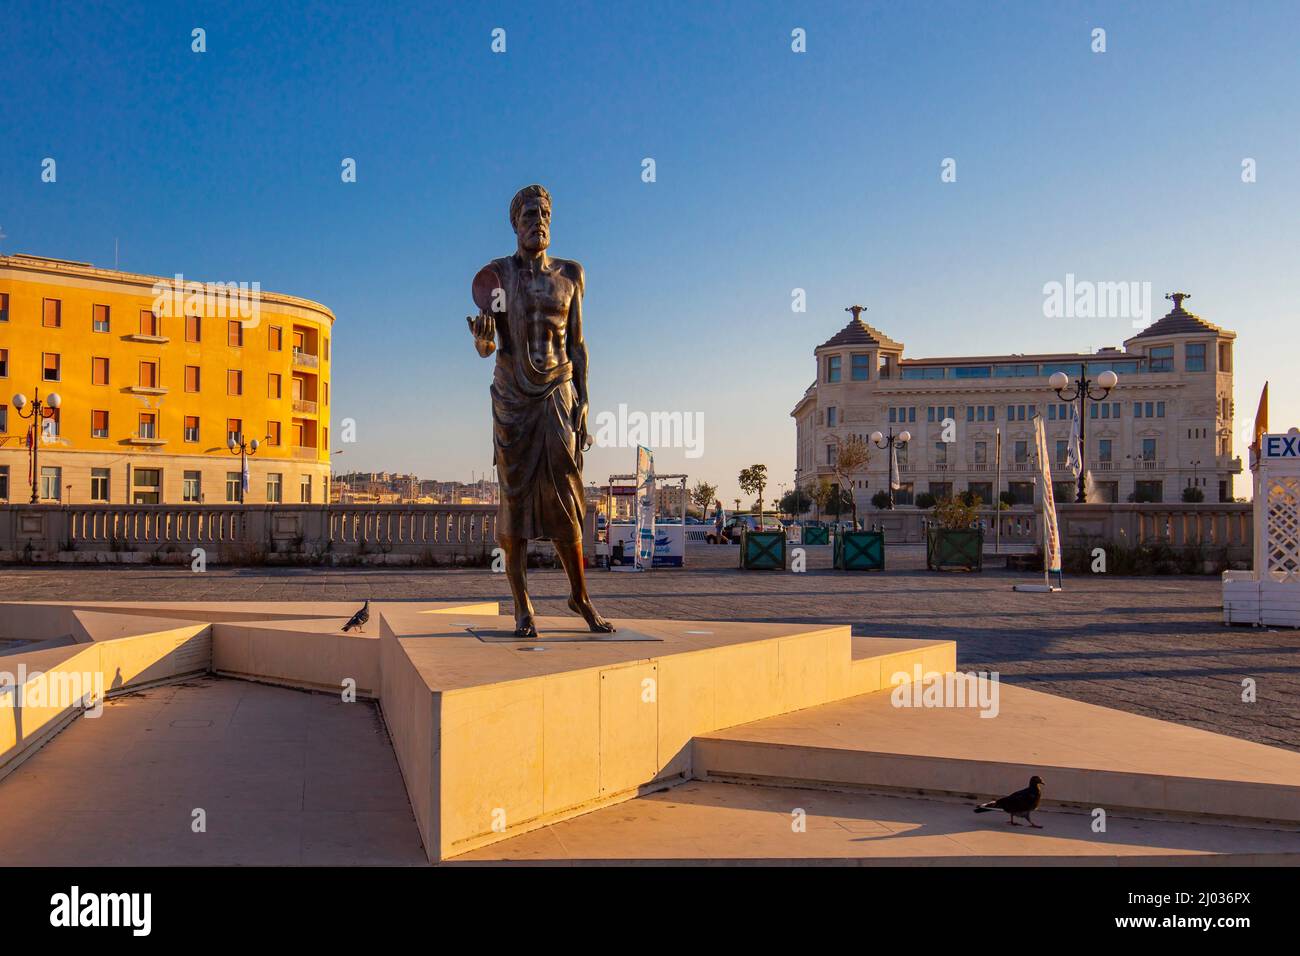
(539, 402)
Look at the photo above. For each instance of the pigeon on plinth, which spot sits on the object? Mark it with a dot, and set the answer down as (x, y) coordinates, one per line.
(358, 619)
(1018, 804)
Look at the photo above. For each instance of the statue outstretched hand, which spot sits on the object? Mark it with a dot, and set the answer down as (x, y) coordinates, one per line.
(484, 328)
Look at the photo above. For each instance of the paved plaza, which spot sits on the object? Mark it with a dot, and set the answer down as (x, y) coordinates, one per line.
(1151, 646)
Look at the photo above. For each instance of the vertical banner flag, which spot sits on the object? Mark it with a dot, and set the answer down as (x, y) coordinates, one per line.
(1051, 533)
(1261, 424)
(1074, 451)
(645, 508)
(243, 477)
(894, 481)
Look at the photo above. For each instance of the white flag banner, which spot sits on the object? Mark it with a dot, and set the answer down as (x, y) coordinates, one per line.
(895, 482)
(645, 510)
(1074, 450)
(1051, 532)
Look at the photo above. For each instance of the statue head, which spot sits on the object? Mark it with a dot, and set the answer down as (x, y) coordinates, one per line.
(530, 217)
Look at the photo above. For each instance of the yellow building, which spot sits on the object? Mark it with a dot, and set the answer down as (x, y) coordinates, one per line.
(155, 376)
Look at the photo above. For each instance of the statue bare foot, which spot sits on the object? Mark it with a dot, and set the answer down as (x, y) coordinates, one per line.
(594, 621)
(524, 626)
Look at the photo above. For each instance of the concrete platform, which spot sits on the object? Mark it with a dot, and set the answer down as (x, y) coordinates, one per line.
(1090, 756)
(706, 823)
(495, 739)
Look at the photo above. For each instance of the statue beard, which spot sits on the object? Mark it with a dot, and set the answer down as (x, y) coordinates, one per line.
(534, 242)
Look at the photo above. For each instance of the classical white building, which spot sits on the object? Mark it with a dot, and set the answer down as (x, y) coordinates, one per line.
(1166, 426)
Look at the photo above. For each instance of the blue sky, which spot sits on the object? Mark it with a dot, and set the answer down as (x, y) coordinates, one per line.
(775, 171)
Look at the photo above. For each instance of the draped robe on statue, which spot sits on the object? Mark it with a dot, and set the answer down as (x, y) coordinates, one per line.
(534, 447)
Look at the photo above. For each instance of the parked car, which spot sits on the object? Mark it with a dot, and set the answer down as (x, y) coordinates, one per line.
(731, 530)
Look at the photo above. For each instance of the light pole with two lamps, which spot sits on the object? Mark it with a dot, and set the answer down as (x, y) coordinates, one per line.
(891, 441)
(243, 449)
(1083, 391)
(39, 413)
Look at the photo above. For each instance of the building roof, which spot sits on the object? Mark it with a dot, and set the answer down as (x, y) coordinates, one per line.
(858, 332)
(1179, 321)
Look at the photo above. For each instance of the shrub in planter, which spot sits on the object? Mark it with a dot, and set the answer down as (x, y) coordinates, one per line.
(762, 550)
(1193, 495)
(860, 551)
(880, 500)
(954, 540)
(925, 500)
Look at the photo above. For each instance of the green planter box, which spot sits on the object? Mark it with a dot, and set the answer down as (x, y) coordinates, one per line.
(762, 550)
(860, 551)
(946, 549)
(816, 535)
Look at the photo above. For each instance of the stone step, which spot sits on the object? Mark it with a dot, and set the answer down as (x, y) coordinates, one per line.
(1089, 756)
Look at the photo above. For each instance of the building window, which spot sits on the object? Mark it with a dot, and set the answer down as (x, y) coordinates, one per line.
(830, 416)
(831, 451)
(4, 482)
(234, 382)
(941, 454)
(148, 425)
(192, 378)
(273, 385)
(148, 374)
(4, 310)
(273, 488)
(325, 394)
(99, 318)
(193, 328)
(1194, 358)
(235, 429)
(4, 419)
(1162, 358)
(859, 370)
(981, 490)
(982, 454)
(304, 489)
(1148, 449)
(51, 365)
(1022, 452)
(327, 350)
(232, 485)
(1160, 409)
(4, 363)
(149, 323)
(273, 433)
(51, 482)
(50, 427)
(98, 371)
(99, 423)
(832, 368)
(1062, 452)
(52, 313)
(1149, 491)
(1225, 358)
(192, 487)
(148, 486)
(100, 481)
(235, 334)
(275, 338)
(1021, 492)
(1104, 449)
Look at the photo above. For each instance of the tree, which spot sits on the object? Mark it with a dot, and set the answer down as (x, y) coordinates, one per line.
(925, 500)
(753, 481)
(880, 500)
(796, 502)
(1193, 495)
(851, 457)
(703, 495)
(820, 491)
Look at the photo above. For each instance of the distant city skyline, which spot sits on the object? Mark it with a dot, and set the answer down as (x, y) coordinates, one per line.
(781, 179)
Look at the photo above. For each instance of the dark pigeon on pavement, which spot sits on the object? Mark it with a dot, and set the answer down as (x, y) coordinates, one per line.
(359, 618)
(1018, 804)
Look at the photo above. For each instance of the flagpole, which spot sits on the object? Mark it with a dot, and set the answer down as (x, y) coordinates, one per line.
(997, 491)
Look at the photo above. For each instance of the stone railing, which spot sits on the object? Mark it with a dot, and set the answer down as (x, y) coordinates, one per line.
(250, 534)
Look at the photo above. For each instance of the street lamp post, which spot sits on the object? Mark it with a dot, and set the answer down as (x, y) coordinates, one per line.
(38, 413)
(1083, 391)
(243, 450)
(890, 440)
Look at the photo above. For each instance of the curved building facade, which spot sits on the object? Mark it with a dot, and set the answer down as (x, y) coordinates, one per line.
(155, 375)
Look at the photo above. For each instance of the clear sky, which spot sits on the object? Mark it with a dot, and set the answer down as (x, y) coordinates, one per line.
(775, 170)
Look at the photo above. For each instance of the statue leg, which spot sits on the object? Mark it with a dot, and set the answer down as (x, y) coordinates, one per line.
(517, 573)
(570, 553)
